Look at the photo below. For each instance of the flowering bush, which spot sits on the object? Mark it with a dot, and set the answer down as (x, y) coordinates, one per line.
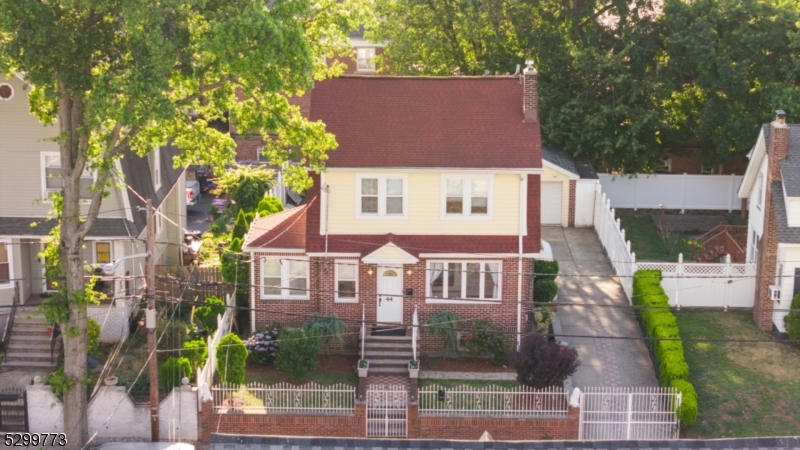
(484, 339)
(262, 346)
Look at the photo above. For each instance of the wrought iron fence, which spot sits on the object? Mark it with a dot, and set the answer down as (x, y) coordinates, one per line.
(284, 398)
(492, 401)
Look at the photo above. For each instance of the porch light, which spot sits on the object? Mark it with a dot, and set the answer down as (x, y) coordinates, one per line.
(369, 271)
(409, 272)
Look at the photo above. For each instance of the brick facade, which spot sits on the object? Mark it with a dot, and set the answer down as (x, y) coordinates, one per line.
(571, 216)
(322, 298)
(688, 161)
(777, 149)
(462, 428)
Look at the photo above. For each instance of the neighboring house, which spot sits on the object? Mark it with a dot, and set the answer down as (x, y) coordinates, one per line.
(771, 186)
(687, 160)
(569, 186)
(430, 201)
(30, 173)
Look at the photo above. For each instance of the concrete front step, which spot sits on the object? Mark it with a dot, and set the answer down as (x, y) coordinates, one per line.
(26, 364)
(370, 354)
(388, 338)
(14, 354)
(388, 362)
(390, 369)
(381, 344)
(31, 345)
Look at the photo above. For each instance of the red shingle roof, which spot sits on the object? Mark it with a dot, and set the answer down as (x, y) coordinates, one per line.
(286, 229)
(458, 122)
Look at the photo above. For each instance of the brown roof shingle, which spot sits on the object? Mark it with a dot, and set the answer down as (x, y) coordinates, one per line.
(448, 122)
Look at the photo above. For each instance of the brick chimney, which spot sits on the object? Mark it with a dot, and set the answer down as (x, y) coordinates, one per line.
(777, 150)
(530, 100)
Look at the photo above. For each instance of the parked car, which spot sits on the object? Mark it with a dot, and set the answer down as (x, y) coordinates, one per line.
(192, 192)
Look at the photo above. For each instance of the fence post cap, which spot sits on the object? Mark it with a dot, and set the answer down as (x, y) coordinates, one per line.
(574, 399)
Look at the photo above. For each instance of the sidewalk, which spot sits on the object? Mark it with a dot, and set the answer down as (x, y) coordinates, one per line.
(586, 277)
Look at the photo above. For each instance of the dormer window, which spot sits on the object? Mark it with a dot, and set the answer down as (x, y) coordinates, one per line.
(365, 59)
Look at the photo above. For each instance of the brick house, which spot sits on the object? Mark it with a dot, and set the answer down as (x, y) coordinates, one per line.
(431, 201)
(771, 186)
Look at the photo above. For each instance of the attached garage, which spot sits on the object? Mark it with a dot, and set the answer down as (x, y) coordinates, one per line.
(552, 195)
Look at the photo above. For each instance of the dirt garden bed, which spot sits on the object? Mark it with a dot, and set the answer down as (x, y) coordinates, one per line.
(331, 369)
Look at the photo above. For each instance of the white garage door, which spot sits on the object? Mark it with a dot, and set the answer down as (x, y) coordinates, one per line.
(551, 203)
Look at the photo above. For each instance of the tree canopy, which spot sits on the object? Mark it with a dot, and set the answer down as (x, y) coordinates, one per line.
(619, 81)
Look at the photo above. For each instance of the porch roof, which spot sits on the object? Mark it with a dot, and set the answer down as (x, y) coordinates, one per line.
(284, 230)
(390, 254)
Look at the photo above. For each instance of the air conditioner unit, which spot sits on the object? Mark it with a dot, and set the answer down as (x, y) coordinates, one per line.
(774, 292)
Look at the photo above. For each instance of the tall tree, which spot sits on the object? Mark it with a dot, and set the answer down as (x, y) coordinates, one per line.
(116, 74)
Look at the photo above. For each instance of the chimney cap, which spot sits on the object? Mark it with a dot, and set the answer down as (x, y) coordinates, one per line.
(781, 113)
(529, 69)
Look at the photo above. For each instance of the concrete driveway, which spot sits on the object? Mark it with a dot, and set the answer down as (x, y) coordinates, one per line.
(586, 278)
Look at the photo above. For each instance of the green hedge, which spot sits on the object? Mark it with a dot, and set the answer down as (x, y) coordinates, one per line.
(660, 324)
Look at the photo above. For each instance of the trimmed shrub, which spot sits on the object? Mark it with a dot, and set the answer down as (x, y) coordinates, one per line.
(195, 351)
(486, 338)
(268, 206)
(545, 270)
(235, 269)
(92, 335)
(672, 367)
(792, 320)
(541, 363)
(241, 225)
(297, 352)
(231, 359)
(206, 316)
(688, 412)
(543, 316)
(173, 370)
(544, 291)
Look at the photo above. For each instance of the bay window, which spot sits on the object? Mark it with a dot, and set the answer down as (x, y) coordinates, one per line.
(284, 278)
(457, 280)
(466, 196)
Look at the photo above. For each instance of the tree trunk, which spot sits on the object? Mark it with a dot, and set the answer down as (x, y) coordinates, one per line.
(71, 244)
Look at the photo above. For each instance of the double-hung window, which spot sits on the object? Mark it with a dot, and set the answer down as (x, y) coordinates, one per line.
(466, 196)
(759, 190)
(157, 167)
(364, 57)
(5, 264)
(51, 177)
(464, 280)
(102, 252)
(284, 278)
(347, 281)
(382, 196)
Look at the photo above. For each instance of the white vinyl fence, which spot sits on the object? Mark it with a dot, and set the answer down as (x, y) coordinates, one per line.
(492, 401)
(675, 191)
(643, 413)
(205, 378)
(687, 284)
(285, 398)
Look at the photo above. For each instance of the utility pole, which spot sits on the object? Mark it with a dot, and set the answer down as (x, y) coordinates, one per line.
(150, 316)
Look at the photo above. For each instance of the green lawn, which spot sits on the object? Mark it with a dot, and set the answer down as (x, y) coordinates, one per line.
(647, 243)
(744, 389)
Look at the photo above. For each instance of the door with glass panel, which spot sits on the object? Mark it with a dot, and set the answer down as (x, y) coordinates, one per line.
(390, 295)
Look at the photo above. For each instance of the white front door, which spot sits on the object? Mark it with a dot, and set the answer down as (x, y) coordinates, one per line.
(390, 295)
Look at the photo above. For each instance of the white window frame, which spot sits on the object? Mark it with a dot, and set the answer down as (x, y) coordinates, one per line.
(381, 214)
(707, 170)
(666, 165)
(759, 190)
(259, 156)
(159, 219)
(157, 168)
(285, 275)
(467, 196)
(45, 192)
(338, 299)
(753, 247)
(370, 60)
(461, 300)
(10, 252)
(110, 250)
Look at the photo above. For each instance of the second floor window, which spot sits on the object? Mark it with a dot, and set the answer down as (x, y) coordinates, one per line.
(365, 59)
(759, 190)
(5, 263)
(382, 195)
(466, 196)
(284, 278)
(102, 252)
(51, 174)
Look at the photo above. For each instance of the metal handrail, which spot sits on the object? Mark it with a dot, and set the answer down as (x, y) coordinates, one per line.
(363, 329)
(54, 340)
(10, 321)
(414, 333)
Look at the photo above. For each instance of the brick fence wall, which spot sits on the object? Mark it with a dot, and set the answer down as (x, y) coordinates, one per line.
(466, 428)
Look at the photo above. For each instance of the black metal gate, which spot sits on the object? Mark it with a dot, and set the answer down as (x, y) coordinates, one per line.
(13, 410)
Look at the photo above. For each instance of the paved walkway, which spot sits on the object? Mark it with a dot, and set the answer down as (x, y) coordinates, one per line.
(586, 277)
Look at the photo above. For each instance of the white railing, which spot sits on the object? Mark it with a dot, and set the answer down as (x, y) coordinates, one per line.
(414, 333)
(687, 284)
(675, 191)
(205, 377)
(492, 401)
(284, 398)
(363, 329)
(639, 413)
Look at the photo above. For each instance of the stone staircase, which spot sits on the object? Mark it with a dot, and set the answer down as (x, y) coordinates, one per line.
(29, 344)
(388, 354)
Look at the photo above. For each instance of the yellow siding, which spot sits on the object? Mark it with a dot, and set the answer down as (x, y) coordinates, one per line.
(551, 175)
(424, 208)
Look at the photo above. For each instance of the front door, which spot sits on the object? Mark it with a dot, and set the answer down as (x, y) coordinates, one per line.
(390, 295)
